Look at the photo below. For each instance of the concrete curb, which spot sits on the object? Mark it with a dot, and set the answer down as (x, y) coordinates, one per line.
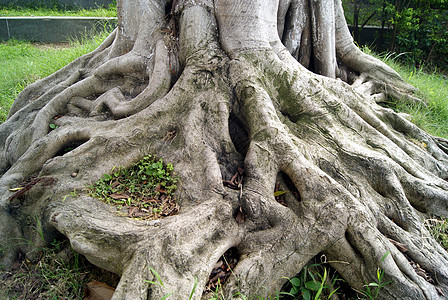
(52, 29)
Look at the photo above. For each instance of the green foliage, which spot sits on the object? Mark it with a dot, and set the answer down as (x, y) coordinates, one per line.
(59, 273)
(159, 282)
(319, 281)
(218, 293)
(372, 290)
(147, 186)
(419, 28)
(315, 281)
(438, 229)
(53, 126)
(14, 11)
(421, 31)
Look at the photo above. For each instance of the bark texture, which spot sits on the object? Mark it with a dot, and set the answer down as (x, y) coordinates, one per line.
(275, 87)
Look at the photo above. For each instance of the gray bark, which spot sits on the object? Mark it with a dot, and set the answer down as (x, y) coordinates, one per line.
(303, 111)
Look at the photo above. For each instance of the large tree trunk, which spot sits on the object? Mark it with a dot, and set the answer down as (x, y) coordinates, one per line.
(274, 87)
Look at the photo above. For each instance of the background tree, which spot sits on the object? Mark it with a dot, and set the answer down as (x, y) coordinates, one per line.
(359, 13)
(419, 29)
(261, 94)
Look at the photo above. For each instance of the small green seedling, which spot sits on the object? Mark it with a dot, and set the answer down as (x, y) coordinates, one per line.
(159, 282)
(373, 289)
(313, 282)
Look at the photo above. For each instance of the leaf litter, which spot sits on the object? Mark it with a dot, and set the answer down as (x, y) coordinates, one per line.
(145, 190)
(222, 270)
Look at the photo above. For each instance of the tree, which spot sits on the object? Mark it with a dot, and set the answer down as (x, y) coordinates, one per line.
(421, 27)
(362, 12)
(276, 88)
(417, 28)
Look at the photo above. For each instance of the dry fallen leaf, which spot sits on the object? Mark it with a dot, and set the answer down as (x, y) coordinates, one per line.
(132, 211)
(115, 184)
(159, 189)
(401, 247)
(240, 216)
(97, 290)
(119, 196)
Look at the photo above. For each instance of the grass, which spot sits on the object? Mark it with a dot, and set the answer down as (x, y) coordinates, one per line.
(438, 228)
(432, 89)
(317, 281)
(160, 283)
(50, 277)
(23, 63)
(15, 11)
(60, 273)
(313, 282)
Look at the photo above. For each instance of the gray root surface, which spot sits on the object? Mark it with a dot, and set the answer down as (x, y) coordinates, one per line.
(275, 87)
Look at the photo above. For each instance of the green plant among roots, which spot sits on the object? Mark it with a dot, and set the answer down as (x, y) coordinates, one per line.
(146, 190)
(318, 281)
(55, 271)
(58, 274)
(372, 290)
(159, 282)
(315, 281)
(438, 227)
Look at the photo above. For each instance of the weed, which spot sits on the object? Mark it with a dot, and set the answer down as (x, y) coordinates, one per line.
(372, 290)
(194, 288)
(315, 281)
(217, 292)
(57, 272)
(159, 282)
(60, 273)
(146, 189)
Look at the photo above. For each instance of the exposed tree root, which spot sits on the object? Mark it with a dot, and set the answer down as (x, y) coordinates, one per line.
(359, 178)
(353, 133)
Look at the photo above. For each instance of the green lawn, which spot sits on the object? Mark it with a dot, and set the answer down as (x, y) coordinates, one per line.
(22, 63)
(432, 89)
(9, 11)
